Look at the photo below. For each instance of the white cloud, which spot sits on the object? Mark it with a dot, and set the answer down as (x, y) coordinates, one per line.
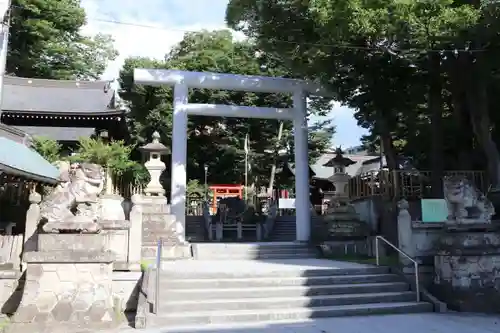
(139, 34)
(154, 26)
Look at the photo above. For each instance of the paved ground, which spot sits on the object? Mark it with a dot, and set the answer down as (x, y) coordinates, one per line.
(414, 323)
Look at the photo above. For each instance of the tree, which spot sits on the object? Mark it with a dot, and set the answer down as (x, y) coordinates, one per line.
(214, 141)
(48, 148)
(46, 42)
(114, 155)
(400, 64)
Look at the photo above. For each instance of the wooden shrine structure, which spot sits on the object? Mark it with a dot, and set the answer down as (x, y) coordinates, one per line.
(63, 110)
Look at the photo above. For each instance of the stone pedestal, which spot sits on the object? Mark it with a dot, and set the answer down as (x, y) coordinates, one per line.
(111, 207)
(68, 282)
(340, 231)
(341, 222)
(467, 268)
(159, 223)
(116, 233)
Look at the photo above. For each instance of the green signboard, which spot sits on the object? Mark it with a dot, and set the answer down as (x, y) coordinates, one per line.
(434, 210)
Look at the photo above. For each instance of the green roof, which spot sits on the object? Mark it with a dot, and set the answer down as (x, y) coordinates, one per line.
(18, 159)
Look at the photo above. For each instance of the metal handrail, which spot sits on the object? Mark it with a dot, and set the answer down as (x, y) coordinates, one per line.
(159, 251)
(415, 262)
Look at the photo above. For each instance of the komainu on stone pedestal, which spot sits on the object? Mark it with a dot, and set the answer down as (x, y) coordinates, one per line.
(69, 279)
(77, 200)
(466, 204)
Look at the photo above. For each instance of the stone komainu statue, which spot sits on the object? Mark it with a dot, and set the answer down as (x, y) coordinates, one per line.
(77, 197)
(466, 204)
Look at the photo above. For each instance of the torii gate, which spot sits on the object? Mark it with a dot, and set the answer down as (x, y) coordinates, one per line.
(183, 80)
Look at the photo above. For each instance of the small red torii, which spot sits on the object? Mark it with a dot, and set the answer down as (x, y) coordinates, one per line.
(224, 191)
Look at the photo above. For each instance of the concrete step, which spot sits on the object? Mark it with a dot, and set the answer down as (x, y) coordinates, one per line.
(171, 275)
(253, 251)
(257, 256)
(282, 238)
(276, 281)
(277, 250)
(267, 315)
(291, 291)
(284, 302)
(243, 247)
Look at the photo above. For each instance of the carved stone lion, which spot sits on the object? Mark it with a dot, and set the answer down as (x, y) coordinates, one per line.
(466, 204)
(85, 183)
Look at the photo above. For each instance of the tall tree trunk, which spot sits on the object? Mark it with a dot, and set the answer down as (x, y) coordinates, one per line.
(387, 144)
(463, 136)
(477, 103)
(436, 111)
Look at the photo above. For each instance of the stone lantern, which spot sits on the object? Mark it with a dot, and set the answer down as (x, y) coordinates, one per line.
(340, 178)
(341, 223)
(154, 165)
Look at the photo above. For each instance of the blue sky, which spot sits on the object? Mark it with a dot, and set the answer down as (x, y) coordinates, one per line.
(157, 25)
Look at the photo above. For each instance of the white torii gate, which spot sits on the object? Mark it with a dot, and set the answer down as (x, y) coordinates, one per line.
(183, 80)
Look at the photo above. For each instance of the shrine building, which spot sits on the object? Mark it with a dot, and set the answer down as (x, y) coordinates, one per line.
(63, 110)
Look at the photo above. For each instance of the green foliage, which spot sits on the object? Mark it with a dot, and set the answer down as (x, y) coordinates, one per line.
(215, 141)
(48, 148)
(46, 42)
(423, 76)
(194, 188)
(145, 264)
(114, 155)
(139, 175)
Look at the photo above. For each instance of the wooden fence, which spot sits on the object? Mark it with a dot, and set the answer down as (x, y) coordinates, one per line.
(406, 184)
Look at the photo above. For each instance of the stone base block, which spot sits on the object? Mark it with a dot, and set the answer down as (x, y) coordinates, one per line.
(66, 287)
(155, 204)
(111, 207)
(71, 242)
(177, 251)
(126, 286)
(9, 294)
(61, 328)
(469, 283)
(117, 238)
(78, 225)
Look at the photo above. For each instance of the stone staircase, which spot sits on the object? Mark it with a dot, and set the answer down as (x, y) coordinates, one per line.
(284, 229)
(253, 251)
(213, 291)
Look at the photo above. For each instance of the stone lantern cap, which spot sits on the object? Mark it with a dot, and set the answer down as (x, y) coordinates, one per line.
(339, 160)
(155, 146)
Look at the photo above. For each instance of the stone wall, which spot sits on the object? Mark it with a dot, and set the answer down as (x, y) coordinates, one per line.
(10, 295)
(419, 241)
(467, 270)
(368, 209)
(66, 292)
(469, 283)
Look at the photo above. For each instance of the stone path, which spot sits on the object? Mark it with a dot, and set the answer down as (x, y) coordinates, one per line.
(411, 323)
